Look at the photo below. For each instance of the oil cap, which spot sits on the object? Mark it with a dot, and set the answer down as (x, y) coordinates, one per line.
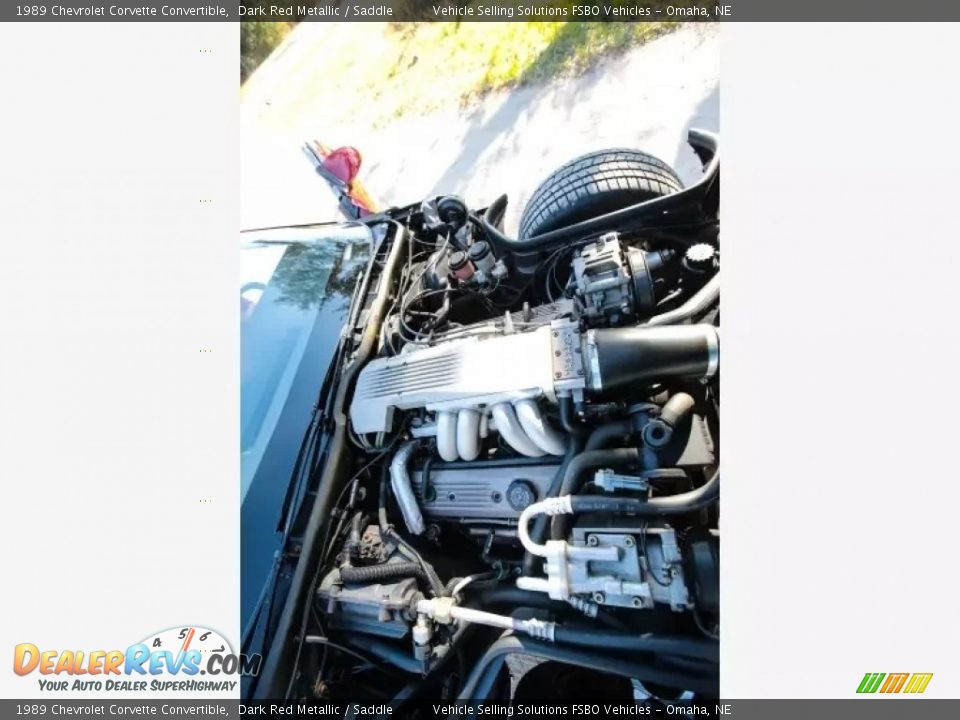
(520, 495)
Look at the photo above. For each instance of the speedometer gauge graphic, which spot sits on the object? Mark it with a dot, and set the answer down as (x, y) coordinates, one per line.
(188, 637)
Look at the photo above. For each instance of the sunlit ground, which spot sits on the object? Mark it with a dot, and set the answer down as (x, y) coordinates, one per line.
(376, 72)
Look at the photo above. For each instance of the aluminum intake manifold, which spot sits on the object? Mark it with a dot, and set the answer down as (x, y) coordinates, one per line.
(460, 380)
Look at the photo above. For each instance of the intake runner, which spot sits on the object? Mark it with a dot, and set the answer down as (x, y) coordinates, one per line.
(507, 374)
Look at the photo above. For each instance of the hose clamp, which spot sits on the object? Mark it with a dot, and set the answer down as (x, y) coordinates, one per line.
(592, 361)
(713, 351)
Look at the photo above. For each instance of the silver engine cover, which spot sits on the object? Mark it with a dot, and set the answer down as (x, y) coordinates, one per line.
(486, 493)
(458, 374)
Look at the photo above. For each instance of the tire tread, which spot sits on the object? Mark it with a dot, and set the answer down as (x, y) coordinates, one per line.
(630, 173)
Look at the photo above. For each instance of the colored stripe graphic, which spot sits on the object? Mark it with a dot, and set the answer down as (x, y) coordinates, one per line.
(894, 682)
(918, 682)
(870, 682)
(913, 683)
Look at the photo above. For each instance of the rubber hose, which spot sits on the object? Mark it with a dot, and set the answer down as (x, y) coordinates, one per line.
(489, 221)
(539, 529)
(591, 459)
(387, 531)
(510, 595)
(351, 546)
(478, 683)
(518, 597)
(605, 434)
(579, 465)
(702, 497)
(405, 548)
(698, 303)
(612, 640)
(677, 408)
(386, 652)
(567, 420)
(383, 571)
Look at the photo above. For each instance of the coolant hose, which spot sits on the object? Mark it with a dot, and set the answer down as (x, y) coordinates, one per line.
(567, 420)
(605, 434)
(677, 408)
(565, 505)
(704, 496)
(659, 432)
(539, 530)
(516, 597)
(588, 460)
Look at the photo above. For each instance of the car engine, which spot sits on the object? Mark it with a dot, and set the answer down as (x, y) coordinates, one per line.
(534, 460)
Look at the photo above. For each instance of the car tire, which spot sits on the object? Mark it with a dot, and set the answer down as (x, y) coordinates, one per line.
(594, 184)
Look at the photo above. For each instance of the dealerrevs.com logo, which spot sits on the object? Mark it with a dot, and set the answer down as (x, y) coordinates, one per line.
(889, 683)
(171, 660)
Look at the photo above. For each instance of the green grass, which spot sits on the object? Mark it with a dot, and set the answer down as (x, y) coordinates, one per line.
(257, 41)
(378, 72)
(480, 57)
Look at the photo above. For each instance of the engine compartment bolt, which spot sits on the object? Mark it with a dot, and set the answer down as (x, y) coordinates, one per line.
(593, 541)
(637, 602)
(599, 598)
(628, 541)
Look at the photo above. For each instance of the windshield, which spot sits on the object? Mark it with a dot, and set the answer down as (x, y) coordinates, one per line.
(295, 292)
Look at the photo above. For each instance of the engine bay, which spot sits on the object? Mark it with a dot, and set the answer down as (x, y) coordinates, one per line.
(533, 442)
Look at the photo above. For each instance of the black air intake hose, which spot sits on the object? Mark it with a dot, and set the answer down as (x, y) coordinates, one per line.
(618, 357)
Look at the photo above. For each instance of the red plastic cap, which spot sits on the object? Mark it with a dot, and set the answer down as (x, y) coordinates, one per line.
(343, 163)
